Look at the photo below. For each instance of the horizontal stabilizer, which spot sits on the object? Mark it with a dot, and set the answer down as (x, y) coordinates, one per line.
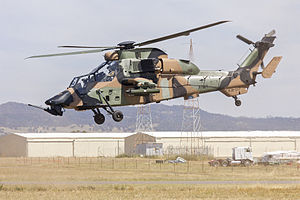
(271, 67)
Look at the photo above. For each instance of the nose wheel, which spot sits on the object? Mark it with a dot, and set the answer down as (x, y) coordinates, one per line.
(237, 102)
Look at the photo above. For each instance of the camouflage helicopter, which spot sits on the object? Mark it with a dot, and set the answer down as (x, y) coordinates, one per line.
(131, 76)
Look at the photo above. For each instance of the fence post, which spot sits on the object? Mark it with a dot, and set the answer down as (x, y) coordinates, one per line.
(174, 167)
(187, 166)
(135, 163)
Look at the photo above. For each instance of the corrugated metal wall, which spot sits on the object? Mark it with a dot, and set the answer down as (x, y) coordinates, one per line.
(16, 145)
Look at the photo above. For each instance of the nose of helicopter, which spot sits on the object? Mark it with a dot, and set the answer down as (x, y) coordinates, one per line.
(63, 99)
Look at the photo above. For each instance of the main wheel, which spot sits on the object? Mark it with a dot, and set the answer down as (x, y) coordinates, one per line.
(99, 118)
(117, 116)
(238, 102)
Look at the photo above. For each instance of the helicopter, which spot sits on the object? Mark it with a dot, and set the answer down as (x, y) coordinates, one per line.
(132, 75)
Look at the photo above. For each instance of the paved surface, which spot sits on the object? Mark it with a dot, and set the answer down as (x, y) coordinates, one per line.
(146, 182)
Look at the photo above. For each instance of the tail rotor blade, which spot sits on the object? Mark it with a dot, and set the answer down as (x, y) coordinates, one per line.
(271, 33)
(244, 39)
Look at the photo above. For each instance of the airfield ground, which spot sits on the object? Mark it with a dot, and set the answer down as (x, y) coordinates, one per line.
(130, 178)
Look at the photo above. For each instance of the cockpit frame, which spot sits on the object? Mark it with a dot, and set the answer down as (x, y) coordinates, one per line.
(81, 83)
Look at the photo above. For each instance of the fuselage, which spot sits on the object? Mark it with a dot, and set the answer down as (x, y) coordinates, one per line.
(146, 75)
(167, 86)
(132, 76)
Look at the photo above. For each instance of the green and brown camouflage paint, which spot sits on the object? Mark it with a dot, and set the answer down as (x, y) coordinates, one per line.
(147, 75)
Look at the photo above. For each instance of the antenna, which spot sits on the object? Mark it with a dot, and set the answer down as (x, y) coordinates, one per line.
(191, 52)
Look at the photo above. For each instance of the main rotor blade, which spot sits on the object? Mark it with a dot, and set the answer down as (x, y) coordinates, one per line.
(183, 33)
(69, 53)
(89, 47)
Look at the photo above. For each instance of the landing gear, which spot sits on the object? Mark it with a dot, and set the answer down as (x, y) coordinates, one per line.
(117, 116)
(237, 102)
(98, 117)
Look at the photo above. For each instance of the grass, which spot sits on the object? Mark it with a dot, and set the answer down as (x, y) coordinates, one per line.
(136, 169)
(152, 192)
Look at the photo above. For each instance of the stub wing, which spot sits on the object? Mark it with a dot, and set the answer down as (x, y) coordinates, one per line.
(140, 82)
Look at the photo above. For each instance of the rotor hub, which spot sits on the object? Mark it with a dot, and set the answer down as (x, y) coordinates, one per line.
(126, 45)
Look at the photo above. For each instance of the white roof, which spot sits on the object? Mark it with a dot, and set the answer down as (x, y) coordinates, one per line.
(166, 134)
(222, 134)
(73, 135)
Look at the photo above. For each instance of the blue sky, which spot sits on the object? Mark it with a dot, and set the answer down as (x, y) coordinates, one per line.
(35, 27)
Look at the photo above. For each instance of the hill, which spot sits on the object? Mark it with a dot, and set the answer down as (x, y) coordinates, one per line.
(18, 116)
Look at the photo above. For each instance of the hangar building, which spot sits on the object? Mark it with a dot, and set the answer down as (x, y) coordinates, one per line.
(113, 144)
(62, 144)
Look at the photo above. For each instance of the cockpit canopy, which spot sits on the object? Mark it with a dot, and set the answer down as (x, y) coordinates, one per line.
(103, 73)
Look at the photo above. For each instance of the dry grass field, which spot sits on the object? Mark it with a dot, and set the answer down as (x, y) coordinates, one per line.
(107, 178)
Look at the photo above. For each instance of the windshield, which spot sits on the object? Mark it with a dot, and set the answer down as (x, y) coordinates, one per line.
(103, 73)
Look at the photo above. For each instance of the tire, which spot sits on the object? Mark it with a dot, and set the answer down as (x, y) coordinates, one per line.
(224, 163)
(238, 103)
(99, 119)
(117, 116)
(246, 163)
(216, 163)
